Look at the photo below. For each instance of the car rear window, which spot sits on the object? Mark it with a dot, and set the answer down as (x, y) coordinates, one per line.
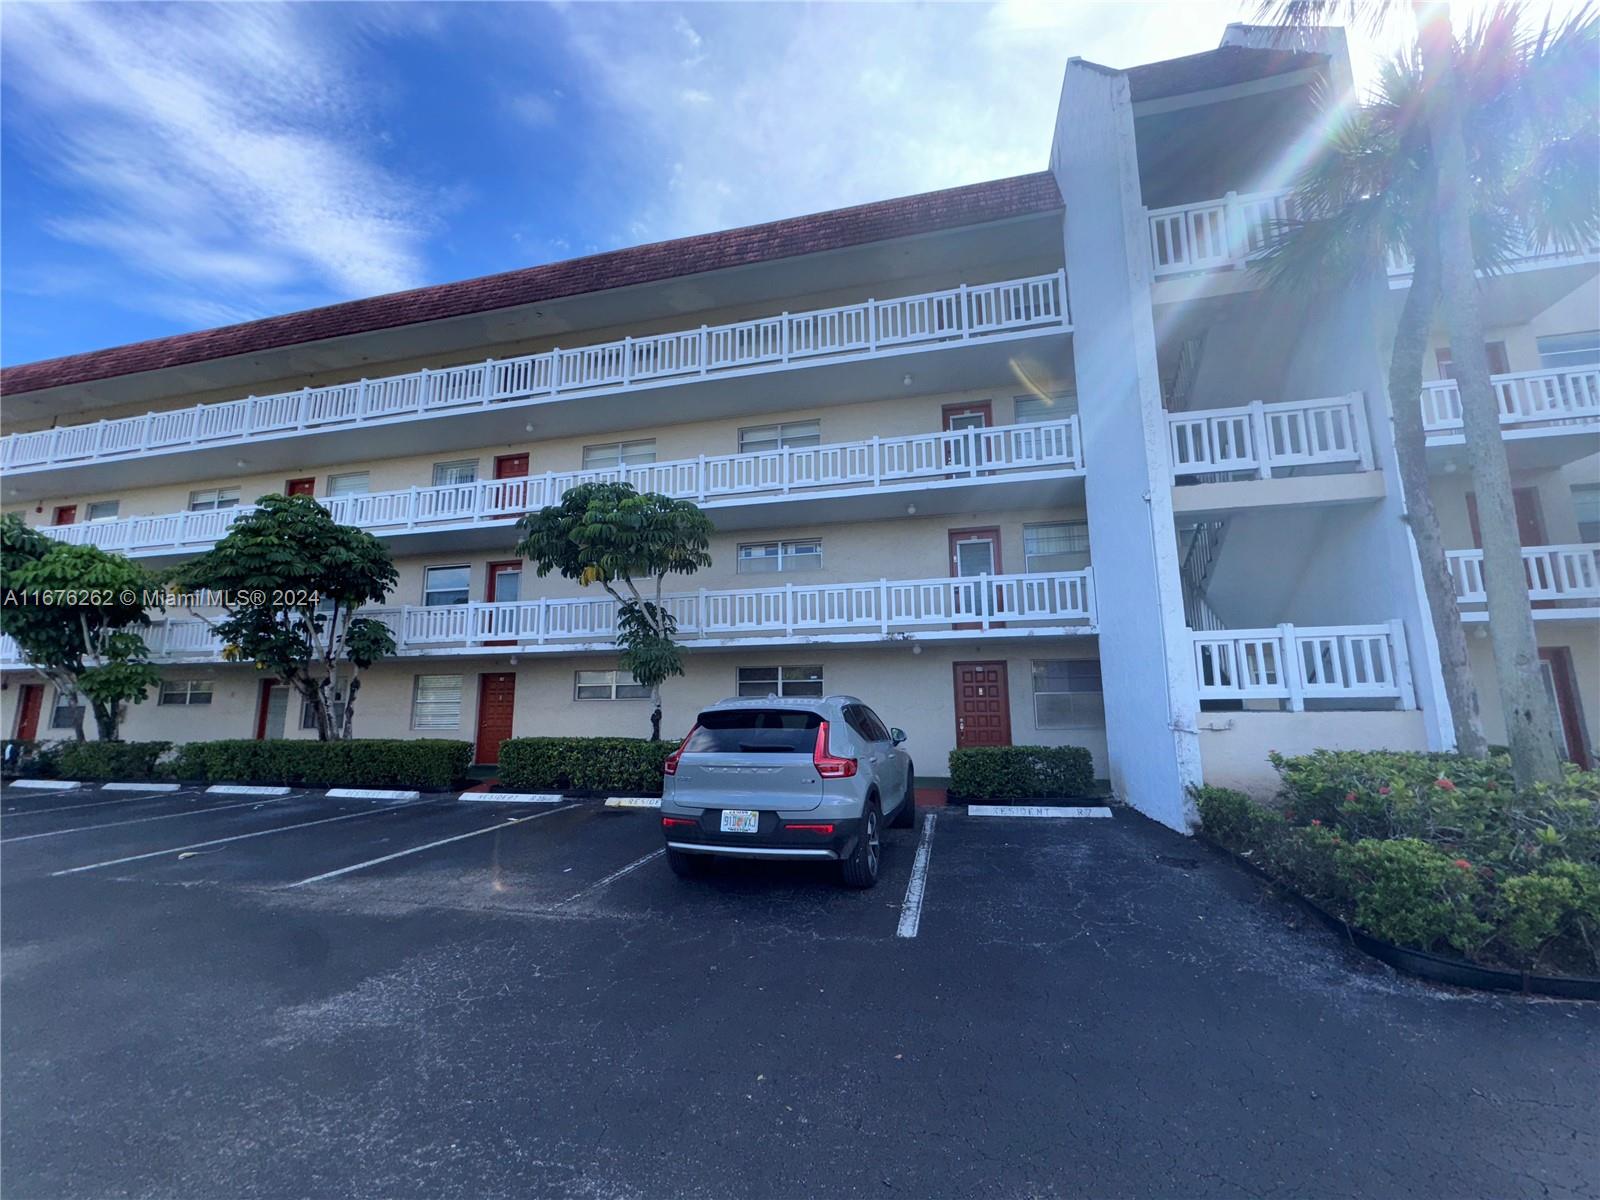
(754, 731)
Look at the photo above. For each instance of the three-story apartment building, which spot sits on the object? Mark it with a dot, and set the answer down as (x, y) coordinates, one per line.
(1032, 461)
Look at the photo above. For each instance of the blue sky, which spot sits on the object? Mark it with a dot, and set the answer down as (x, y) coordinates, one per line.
(168, 168)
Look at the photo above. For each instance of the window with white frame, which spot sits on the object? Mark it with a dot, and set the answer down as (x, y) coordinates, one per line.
(68, 710)
(446, 585)
(102, 510)
(787, 434)
(1586, 507)
(185, 691)
(1032, 409)
(207, 499)
(308, 715)
(780, 681)
(619, 454)
(1570, 351)
(351, 483)
(759, 558)
(1058, 546)
(436, 702)
(1067, 693)
(607, 685)
(463, 470)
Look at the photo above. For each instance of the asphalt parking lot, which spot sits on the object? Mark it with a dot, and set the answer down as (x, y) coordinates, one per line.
(210, 995)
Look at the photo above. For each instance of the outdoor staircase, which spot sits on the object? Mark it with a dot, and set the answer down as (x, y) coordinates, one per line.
(1199, 546)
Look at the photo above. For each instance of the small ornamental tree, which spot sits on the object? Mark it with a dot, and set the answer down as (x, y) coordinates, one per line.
(607, 533)
(293, 581)
(75, 613)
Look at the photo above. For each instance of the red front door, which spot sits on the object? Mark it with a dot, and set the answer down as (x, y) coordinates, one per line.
(497, 701)
(1562, 681)
(301, 487)
(983, 705)
(272, 710)
(509, 498)
(977, 415)
(974, 552)
(65, 515)
(1530, 517)
(504, 585)
(29, 702)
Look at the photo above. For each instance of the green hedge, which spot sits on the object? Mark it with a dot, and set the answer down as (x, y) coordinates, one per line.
(583, 764)
(1432, 851)
(426, 764)
(132, 761)
(1021, 773)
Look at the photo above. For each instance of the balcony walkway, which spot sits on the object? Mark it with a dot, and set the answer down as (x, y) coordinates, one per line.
(867, 330)
(1044, 604)
(1005, 451)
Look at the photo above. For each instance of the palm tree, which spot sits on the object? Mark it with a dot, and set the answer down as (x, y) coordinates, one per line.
(1471, 150)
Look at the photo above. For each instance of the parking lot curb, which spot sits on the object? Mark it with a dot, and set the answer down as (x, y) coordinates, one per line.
(634, 802)
(370, 794)
(241, 789)
(512, 797)
(1029, 810)
(140, 787)
(47, 785)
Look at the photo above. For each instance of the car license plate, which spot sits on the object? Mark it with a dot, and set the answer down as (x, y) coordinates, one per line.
(740, 820)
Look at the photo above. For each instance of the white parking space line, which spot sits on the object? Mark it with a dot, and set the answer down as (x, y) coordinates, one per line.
(615, 875)
(373, 862)
(512, 797)
(1048, 812)
(193, 812)
(911, 910)
(238, 837)
(44, 812)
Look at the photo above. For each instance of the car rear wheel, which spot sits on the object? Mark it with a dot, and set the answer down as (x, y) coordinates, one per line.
(905, 817)
(686, 866)
(860, 870)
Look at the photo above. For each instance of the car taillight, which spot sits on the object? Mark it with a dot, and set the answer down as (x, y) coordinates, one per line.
(671, 822)
(826, 764)
(826, 830)
(670, 765)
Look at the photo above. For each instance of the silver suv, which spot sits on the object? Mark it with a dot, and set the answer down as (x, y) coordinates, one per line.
(781, 778)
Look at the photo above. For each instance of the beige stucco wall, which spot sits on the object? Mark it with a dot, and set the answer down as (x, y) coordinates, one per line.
(1234, 746)
(912, 690)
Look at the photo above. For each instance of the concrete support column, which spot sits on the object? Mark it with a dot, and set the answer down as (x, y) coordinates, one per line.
(1144, 644)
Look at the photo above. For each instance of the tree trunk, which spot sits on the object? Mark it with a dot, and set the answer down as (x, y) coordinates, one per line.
(105, 720)
(1529, 716)
(1410, 442)
(655, 715)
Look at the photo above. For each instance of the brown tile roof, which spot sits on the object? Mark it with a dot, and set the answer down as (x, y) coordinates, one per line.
(931, 211)
(1214, 69)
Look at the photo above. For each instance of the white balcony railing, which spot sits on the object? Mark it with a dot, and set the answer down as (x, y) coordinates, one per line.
(1261, 438)
(1341, 662)
(1214, 233)
(862, 466)
(869, 329)
(1526, 398)
(1226, 233)
(884, 606)
(1554, 573)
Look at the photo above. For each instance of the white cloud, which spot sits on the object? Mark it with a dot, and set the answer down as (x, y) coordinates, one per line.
(214, 148)
(533, 109)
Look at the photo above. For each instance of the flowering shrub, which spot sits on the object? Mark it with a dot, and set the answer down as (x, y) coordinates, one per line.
(1432, 851)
